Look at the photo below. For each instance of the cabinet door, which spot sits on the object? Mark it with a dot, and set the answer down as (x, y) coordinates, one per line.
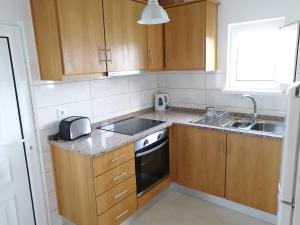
(201, 157)
(82, 36)
(253, 168)
(185, 37)
(126, 39)
(155, 47)
(47, 39)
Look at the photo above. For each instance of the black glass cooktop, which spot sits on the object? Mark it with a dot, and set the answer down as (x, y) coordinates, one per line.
(131, 126)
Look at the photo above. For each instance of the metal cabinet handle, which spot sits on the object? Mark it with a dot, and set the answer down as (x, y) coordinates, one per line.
(118, 158)
(223, 146)
(167, 58)
(122, 214)
(150, 56)
(120, 176)
(229, 147)
(102, 55)
(109, 52)
(122, 193)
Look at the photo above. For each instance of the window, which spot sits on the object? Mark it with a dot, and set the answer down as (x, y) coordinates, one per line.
(253, 55)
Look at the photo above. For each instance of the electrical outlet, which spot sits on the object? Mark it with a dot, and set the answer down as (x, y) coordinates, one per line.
(60, 113)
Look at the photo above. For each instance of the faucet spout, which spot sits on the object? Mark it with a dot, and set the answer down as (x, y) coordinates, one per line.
(253, 115)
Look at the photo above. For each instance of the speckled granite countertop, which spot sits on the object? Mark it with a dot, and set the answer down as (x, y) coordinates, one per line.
(101, 142)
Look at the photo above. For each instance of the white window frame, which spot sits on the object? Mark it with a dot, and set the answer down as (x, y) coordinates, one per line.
(232, 84)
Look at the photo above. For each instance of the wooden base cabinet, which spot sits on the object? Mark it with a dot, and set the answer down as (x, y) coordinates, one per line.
(253, 169)
(200, 159)
(89, 193)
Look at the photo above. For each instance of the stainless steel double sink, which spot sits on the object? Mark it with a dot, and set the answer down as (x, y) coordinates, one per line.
(262, 126)
(225, 120)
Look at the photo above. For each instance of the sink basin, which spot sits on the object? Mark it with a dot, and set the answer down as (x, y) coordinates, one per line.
(268, 127)
(221, 119)
(240, 124)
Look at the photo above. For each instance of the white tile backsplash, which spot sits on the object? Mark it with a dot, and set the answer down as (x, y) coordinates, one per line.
(197, 90)
(47, 161)
(191, 81)
(162, 80)
(50, 182)
(108, 87)
(188, 96)
(58, 94)
(142, 98)
(111, 104)
(43, 138)
(52, 201)
(140, 83)
(217, 81)
(46, 118)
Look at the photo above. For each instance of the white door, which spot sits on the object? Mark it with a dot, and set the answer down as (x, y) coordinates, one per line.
(15, 198)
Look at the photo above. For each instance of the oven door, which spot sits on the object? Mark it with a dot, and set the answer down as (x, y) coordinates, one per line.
(151, 165)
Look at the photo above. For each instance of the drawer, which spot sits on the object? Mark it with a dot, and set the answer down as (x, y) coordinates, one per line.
(120, 212)
(115, 195)
(112, 159)
(114, 177)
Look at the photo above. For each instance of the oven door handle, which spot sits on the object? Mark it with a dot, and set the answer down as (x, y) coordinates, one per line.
(152, 149)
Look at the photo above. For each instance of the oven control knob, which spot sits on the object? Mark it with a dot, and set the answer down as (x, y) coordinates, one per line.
(146, 142)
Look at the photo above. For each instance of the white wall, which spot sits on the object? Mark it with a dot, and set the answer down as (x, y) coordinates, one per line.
(236, 11)
(198, 90)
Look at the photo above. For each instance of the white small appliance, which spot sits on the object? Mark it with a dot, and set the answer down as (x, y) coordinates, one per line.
(161, 102)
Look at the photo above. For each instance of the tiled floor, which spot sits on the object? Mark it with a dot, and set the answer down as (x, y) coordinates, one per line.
(178, 209)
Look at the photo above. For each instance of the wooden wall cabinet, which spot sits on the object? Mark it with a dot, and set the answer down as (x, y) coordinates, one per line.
(126, 40)
(200, 159)
(191, 36)
(87, 38)
(155, 47)
(253, 169)
(81, 29)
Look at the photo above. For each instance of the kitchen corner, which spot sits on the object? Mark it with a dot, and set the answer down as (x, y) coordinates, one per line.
(101, 141)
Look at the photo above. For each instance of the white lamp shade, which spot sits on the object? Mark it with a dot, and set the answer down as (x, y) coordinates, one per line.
(153, 14)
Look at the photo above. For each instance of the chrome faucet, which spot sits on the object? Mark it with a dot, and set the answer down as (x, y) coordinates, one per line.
(253, 116)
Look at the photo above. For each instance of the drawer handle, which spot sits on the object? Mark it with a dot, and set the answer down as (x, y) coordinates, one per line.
(122, 214)
(120, 176)
(122, 193)
(118, 158)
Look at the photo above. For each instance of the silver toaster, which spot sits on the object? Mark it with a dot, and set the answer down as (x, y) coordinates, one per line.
(74, 127)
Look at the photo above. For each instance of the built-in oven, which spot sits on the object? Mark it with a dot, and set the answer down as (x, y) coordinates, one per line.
(151, 160)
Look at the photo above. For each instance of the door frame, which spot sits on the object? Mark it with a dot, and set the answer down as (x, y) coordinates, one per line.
(14, 32)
